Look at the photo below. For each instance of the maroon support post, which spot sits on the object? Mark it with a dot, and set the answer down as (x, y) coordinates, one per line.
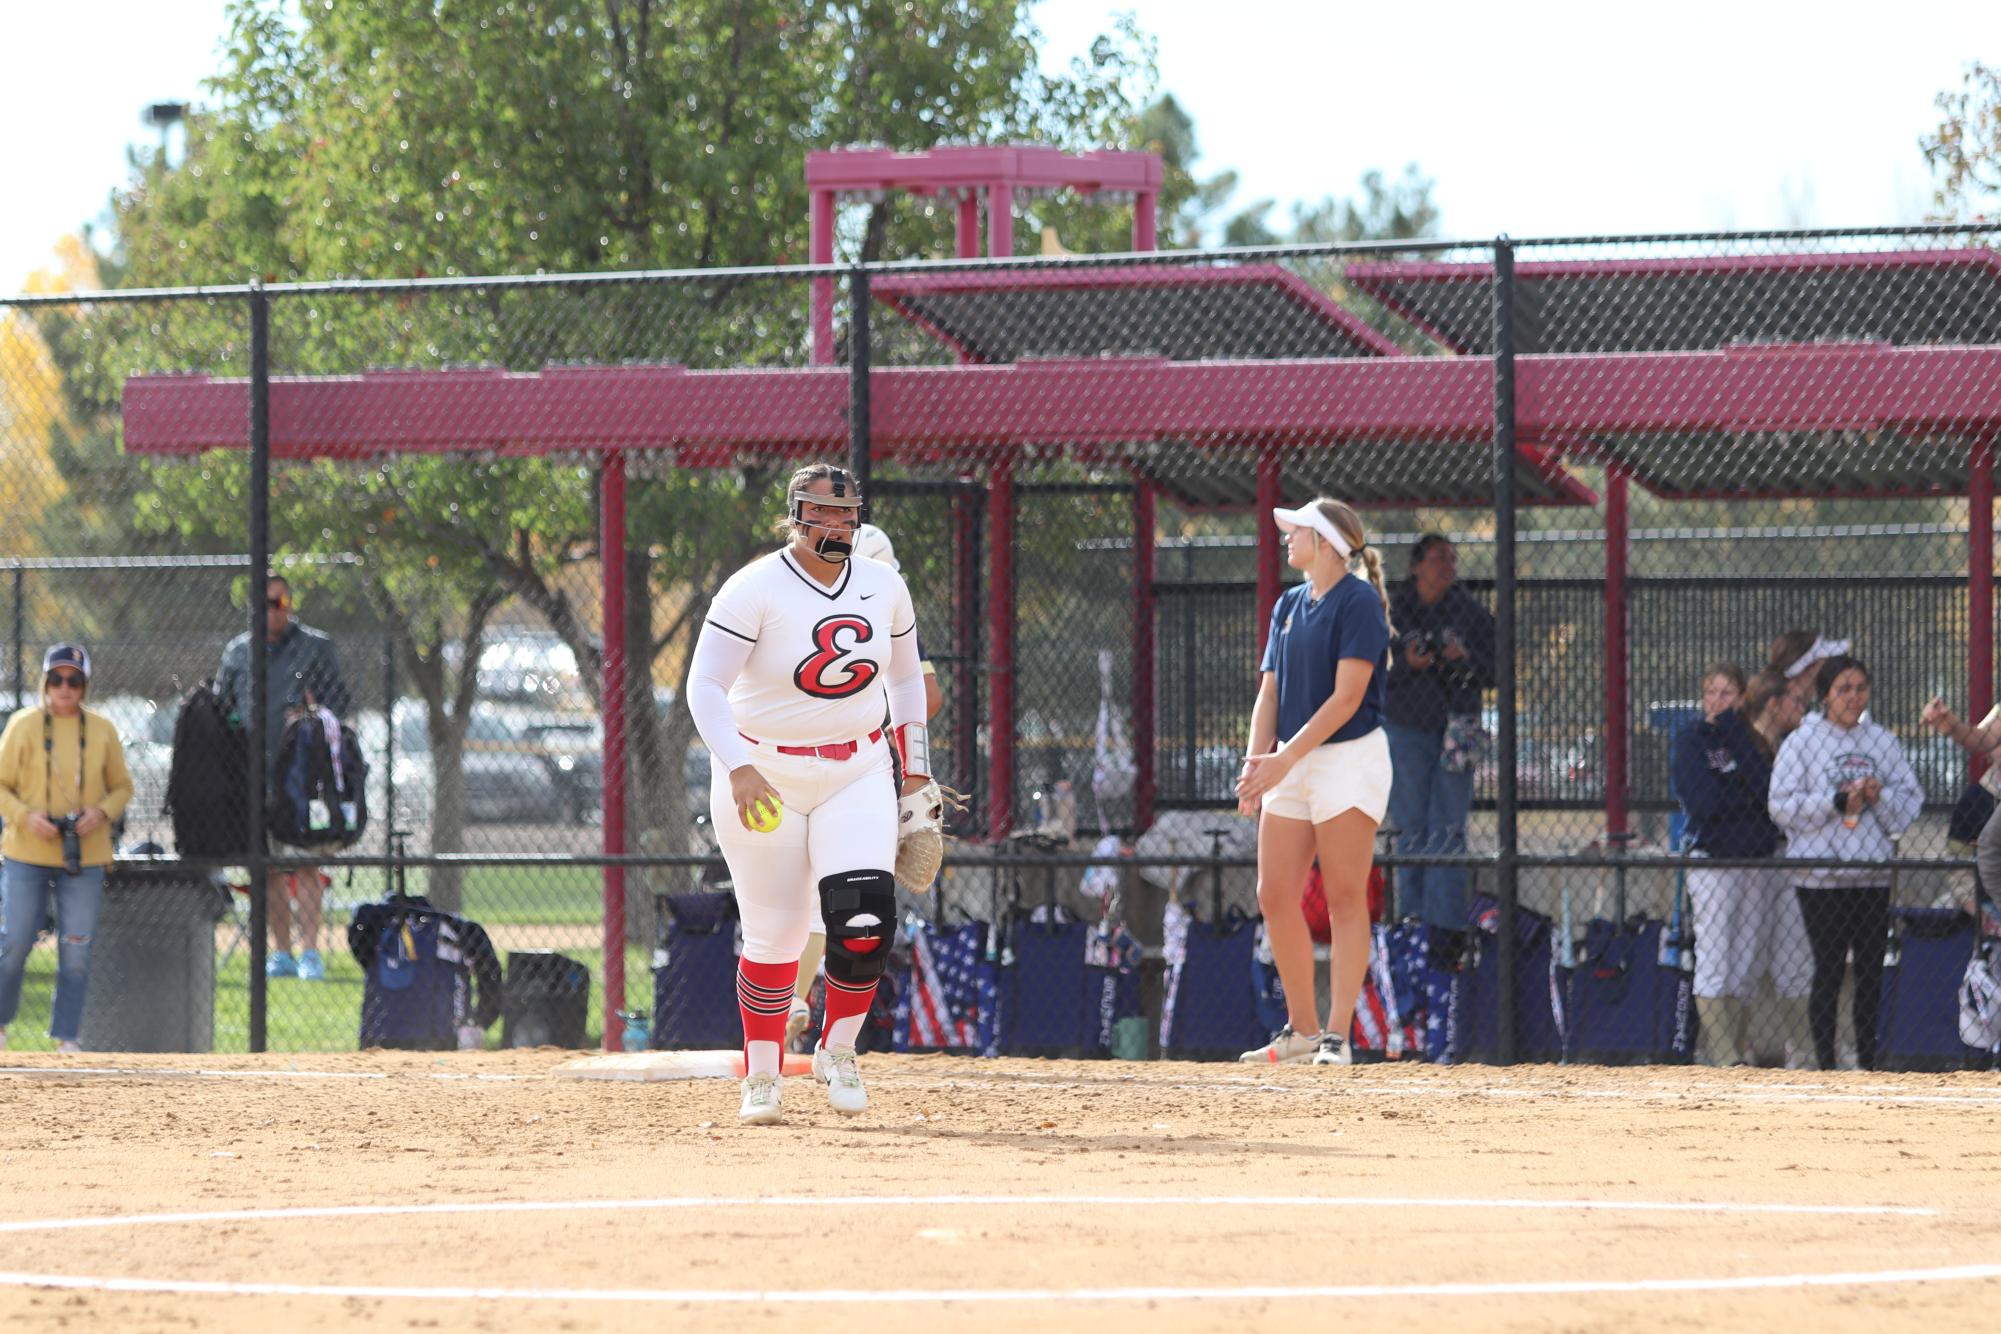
(1143, 656)
(1616, 710)
(1143, 220)
(611, 553)
(966, 232)
(820, 247)
(1000, 221)
(966, 636)
(1000, 630)
(1980, 587)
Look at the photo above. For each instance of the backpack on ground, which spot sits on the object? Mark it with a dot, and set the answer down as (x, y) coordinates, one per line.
(428, 974)
(208, 780)
(319, 792)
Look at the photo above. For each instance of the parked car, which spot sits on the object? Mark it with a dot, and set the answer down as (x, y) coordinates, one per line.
(149, 758)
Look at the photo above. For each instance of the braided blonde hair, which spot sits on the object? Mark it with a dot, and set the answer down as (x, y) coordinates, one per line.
(1349, 524)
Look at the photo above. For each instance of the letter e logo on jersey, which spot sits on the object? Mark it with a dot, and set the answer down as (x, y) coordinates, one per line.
(822, 674)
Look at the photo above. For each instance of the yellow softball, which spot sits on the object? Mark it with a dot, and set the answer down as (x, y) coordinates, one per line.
(765, 815)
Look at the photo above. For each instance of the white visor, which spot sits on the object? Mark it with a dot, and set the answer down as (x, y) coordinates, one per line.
(1309, 516)
(1822, 650)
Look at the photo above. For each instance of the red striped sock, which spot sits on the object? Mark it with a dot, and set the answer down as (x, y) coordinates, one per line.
(764, 998)
(847, 1006)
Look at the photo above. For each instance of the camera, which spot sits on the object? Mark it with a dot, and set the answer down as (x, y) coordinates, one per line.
(72, 845)
(1419, 641)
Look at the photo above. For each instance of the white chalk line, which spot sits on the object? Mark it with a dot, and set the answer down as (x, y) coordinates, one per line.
(990, 1296)
(1358, 1090)
(140, 1072)
(986, 1296)
(1777, 1093)
(949, 1201)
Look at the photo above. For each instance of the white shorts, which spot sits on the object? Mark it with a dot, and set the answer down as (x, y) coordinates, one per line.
(840, 815)
(1336, 777)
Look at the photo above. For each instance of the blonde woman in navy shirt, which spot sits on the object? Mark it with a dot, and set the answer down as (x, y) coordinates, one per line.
(1317, 773)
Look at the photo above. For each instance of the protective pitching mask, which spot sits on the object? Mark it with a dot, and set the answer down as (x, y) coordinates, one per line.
(833, 545)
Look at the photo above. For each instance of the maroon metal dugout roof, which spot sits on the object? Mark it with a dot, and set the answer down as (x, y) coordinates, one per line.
(1858, 423)
(1695, 303)
(1385, 431)
(1183, 313)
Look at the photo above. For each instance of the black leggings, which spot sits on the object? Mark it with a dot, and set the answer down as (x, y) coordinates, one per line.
(1841, 918)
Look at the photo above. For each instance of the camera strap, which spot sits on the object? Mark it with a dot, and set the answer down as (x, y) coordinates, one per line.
(48, 756)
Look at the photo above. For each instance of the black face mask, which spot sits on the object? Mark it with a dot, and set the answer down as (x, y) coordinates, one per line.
(835, 547)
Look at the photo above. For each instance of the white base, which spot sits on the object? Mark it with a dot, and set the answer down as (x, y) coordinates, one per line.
(650, 1066)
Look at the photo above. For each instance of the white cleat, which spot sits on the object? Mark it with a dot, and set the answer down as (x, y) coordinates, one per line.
(1332, 1051)
(798, 1021)
(1285, 1048)
(835, 1067)
(760, 1101)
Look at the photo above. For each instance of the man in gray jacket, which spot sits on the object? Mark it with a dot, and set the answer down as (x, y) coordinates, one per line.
(301, 671)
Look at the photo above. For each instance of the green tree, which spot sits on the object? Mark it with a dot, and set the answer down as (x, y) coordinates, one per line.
(451, 138)
(1964, 152)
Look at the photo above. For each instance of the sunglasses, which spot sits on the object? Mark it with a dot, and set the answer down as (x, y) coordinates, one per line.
(280, 601)
(67, 680)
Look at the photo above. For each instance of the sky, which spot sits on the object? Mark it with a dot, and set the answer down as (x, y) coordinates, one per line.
(1537, 118)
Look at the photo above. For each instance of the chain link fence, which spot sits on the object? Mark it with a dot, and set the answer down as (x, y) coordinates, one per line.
(1620, 488)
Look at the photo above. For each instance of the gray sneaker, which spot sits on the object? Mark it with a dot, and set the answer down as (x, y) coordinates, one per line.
(1332, 1050)
(1285, 1048)
(760, 1101)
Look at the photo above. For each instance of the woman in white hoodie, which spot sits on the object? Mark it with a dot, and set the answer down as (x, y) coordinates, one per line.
(1842, 790)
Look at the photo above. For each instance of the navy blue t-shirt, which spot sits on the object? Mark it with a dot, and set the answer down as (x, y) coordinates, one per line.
(1308, 640)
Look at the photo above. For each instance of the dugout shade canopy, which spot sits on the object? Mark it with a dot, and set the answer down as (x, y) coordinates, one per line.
(1780, 375)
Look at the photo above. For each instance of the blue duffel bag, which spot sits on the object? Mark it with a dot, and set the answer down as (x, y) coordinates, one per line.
(1627, 1007)
(1917, 1027)
(694, 976)
(1476, 989)
(1213, 1011)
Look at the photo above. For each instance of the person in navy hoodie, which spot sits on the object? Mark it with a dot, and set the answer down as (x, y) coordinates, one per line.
(1723, 780)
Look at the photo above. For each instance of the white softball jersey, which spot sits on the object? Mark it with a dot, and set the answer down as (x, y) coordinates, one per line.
(818, 659)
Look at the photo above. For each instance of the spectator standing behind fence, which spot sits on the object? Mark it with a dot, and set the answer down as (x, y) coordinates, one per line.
(1773, 713)
(1795, 655)
(301, 671)
(1443, 659)
(63, 781)
(1842, 789)
(1317, 771)
(1723, 779)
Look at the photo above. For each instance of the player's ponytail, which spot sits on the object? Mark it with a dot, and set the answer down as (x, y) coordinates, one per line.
(1349, 524)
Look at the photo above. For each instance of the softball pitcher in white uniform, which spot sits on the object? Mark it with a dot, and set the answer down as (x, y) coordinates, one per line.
(801, 653)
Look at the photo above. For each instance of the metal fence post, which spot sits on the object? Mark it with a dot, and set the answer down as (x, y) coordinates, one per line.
(389, 738)
(20, 633)
(858, 377)
(1506, 868)
(257, 724)
(611, 541)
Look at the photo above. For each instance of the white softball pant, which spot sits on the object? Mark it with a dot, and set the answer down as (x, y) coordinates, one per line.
(840, 815)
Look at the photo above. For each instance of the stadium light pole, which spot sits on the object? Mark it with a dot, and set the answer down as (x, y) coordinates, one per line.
(163, 116)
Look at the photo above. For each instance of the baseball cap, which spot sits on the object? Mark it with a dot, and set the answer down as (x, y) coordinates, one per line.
(1309, 516)
(872, 542)
(66, 655)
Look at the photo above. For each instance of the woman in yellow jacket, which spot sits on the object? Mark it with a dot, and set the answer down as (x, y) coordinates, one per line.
(62, 771)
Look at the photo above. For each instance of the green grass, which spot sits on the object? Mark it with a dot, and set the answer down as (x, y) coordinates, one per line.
(302, 1016)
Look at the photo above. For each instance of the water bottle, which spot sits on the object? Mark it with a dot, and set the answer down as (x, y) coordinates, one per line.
(638, 1035)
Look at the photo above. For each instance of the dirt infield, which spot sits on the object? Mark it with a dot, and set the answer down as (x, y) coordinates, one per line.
(461, 1192)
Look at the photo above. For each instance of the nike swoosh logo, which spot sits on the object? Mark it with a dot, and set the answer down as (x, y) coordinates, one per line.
(867, 596)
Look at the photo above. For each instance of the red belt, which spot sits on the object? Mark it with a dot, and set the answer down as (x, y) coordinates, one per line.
(833, 750)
